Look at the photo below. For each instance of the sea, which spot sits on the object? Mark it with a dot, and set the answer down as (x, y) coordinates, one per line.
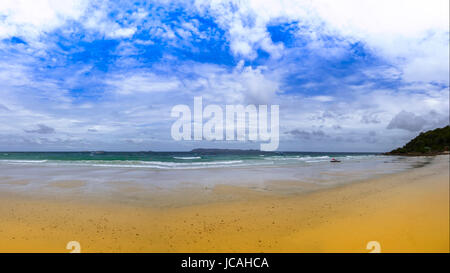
(178, 160)
(137, 175)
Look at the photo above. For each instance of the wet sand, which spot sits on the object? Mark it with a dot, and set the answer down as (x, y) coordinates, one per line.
(404, 212)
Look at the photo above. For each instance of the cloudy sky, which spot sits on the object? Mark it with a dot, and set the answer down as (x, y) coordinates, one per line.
(104, 75)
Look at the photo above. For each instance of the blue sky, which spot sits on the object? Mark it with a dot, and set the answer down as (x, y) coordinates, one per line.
(104, 75)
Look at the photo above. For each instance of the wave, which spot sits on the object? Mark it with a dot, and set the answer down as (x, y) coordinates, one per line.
(131, 164)
(170, 165)
(173, 162)
(181, 164)
(22, 161)
(300, 158)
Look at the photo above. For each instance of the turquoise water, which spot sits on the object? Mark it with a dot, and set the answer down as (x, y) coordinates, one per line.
(173, 160)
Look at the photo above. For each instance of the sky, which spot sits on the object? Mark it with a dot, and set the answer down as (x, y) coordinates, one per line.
(348, 75)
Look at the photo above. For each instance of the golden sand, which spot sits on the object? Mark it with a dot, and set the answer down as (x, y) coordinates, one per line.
(404, 212)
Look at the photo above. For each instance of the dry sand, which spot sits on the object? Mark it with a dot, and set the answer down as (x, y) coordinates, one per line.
(404, 212)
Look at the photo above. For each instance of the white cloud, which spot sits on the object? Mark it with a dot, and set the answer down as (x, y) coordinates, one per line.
(122, 32)
(323, 98)
(239, 85)
(407, 18)
(32, 18)
(357, 110)
(246, 24)
(412, 35)
(411, 122)
(97, 19)
(143, 83)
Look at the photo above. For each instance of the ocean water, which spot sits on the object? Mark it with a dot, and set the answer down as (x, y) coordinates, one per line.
(149, 176)
(174, 160)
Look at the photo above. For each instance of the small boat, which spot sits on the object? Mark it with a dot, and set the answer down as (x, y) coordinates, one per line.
(334, 160)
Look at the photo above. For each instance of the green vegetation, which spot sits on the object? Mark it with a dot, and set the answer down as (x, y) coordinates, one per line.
(431, 142)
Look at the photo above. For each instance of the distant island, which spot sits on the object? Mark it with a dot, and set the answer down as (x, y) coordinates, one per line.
(432, 142)
(202, 151)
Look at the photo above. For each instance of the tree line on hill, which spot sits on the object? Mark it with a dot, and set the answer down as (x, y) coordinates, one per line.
(432, 142)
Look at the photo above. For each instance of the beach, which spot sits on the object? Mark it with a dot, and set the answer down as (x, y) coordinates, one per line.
(404, 211)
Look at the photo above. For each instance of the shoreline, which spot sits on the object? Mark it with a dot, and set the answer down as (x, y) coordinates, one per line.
(405, 212)
(177, 188)
(417, 153)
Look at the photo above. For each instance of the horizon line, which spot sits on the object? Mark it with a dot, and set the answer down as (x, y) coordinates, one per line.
(174, 151)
